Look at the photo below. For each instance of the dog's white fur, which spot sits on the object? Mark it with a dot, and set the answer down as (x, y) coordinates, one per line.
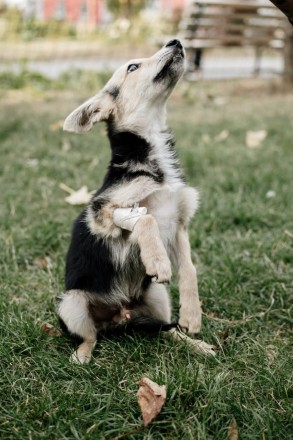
(162, 234)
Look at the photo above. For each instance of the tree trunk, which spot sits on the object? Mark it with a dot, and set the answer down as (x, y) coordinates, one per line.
(288, 56)
(286, 6)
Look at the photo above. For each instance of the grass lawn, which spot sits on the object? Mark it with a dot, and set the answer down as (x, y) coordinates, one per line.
(242, 245)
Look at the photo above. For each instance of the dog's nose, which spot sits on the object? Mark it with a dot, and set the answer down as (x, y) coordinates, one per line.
(174, 43)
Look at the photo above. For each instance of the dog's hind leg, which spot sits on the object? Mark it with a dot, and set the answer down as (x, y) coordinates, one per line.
(73, 309)
(190, 309)
(156, 303)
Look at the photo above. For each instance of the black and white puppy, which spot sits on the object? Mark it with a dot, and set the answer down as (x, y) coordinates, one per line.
(115, 274)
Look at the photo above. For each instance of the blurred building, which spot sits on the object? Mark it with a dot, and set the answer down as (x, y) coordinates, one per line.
(87, 12)
(174, 7)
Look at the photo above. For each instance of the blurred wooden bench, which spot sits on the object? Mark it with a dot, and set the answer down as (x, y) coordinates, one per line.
(231, 23)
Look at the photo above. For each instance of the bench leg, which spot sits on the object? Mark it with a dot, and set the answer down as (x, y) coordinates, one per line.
(257, 61)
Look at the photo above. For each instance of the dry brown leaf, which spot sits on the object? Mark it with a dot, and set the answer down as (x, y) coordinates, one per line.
(43, 263)
(56, 125)
(50, 330)
(223, 336)
(232, 431)
(254, 139)
(151, 398)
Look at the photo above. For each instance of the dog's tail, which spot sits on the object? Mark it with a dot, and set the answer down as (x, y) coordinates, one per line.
(144, 324)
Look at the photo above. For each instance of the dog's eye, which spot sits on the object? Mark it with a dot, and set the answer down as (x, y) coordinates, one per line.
(132, 68)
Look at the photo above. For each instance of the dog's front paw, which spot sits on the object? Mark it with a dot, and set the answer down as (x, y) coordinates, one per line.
(159, 268)
(83, 354)
(197, 345)
(80, 358)
(202, 347)
(190, 319)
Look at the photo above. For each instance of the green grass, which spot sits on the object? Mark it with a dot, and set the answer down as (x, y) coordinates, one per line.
(242, 245)
(33, 81)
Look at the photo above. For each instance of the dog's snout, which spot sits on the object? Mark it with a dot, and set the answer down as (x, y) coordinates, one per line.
(174, 43)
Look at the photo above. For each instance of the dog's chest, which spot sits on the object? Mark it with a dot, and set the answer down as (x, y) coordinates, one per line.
(164, 206)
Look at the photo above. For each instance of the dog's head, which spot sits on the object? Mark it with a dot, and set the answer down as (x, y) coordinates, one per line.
(135, 95)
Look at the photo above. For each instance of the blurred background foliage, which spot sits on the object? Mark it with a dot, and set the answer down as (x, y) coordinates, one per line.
(118, 23)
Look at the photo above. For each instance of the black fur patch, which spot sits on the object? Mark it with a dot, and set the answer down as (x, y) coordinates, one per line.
(143, 324)
(89, 263)
(98, 202)
(163, 72)
(127, 146)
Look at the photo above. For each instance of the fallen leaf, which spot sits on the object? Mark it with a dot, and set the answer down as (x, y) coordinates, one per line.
(43, 263)
(272, 353)
(66, 145)
(206, 138)
(220, 101)
(32, 163)
(222, 136)
(254, 139)
(217, 100)
(232, 431)
(151, 398)
(223, 336)
(50, 330)
(80, 197)
(66, 188)
(56, 125)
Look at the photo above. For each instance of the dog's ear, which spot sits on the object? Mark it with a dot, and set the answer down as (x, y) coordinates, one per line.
(96, 109)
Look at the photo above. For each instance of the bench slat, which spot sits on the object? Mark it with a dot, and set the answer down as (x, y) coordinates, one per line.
(246, 4)
(214, 23)
(236, 38)
(233, 15)
(220, 22)
(232, 40)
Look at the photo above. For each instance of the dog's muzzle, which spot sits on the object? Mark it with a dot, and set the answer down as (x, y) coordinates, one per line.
(176, 44)
(175, 58)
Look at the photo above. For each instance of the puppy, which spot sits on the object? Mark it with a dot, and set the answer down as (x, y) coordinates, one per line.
(116, 269)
